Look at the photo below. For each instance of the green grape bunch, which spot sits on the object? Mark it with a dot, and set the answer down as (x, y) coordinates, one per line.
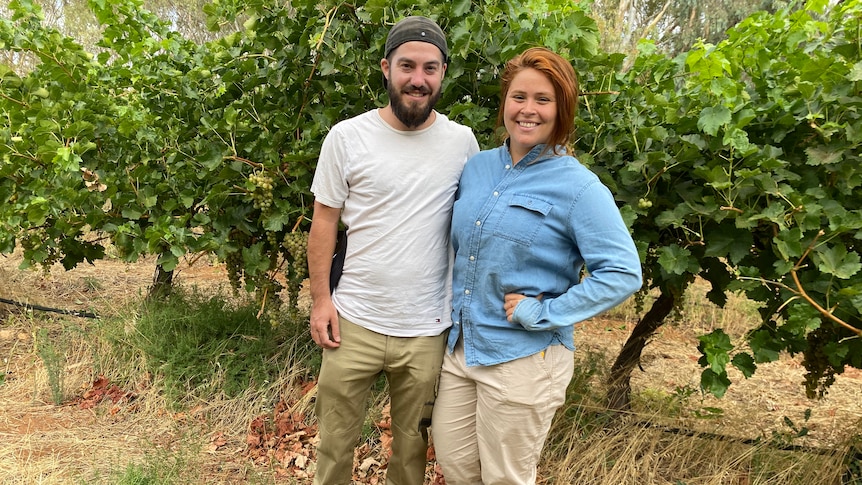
(820, 369)
(272, 239)
(296, 244)
(234, 262)
(36, 243)
(262, 192)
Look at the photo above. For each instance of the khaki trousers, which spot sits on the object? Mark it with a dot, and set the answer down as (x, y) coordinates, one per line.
(490, 422)
(411, 366)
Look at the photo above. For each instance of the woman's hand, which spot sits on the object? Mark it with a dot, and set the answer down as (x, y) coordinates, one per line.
(511, 300)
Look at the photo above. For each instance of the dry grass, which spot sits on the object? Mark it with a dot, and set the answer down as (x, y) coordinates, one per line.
(634, 454)
(205, 442)
(661, 442)
(44, 443)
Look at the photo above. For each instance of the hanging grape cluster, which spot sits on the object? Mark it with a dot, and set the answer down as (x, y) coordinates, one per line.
(820, 371)
(272, 239)
(262, 192)
(37, 241)
(233, 261)
(295, 244)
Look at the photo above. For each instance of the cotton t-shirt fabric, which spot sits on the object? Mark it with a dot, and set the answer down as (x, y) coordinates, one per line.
(531, 228)
(396, 190)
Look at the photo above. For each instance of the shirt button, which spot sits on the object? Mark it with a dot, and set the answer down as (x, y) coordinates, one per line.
(472, 258)
(496, 194)
(508, 167)
(478, 223)
(466, 292)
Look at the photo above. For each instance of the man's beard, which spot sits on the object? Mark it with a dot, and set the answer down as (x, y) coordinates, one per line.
(412, 115)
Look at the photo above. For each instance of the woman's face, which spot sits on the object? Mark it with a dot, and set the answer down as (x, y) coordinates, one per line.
(529, 112)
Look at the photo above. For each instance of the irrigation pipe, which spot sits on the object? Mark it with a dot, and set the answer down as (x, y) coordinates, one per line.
(28, 306)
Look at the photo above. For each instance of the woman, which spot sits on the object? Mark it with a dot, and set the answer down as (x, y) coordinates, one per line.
(528, 219)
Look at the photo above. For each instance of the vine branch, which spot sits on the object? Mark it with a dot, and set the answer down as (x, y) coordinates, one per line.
(245, 161)
(801, 291)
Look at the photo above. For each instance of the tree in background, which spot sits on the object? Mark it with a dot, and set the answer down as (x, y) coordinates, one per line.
(74, 19)
(673, 25)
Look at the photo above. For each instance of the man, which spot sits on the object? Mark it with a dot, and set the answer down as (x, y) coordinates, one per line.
(390, 175)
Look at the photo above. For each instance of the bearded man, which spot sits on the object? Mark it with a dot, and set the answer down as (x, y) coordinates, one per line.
(390, 176)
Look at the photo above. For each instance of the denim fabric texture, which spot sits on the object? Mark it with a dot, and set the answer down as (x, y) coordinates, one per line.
(532, 228)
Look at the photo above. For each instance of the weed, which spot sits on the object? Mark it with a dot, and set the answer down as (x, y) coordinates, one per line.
(793, 432)
(202, 346)
(92, 284)
(159, 467)
(51, 352)
(853, 466)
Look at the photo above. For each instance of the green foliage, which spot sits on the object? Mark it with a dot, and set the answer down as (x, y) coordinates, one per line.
(158, 145)
(745, 151)
(736, 162)
(201, 345)
(160, 467)
(52, 352)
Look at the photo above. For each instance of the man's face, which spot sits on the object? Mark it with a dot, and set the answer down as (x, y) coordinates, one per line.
(415, 76)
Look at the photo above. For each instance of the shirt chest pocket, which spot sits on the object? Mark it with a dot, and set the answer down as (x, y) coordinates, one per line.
(522, 218)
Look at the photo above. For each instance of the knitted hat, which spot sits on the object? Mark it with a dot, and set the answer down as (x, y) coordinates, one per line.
(416, 29)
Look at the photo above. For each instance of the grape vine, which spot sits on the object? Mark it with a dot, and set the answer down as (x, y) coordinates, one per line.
(726, 161)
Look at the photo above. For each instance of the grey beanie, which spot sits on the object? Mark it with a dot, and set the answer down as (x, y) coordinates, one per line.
(416, 28)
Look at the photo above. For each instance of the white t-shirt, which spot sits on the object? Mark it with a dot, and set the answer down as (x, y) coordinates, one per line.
(396, 190)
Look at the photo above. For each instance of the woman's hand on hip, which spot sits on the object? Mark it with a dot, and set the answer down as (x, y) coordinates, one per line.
(511, 300)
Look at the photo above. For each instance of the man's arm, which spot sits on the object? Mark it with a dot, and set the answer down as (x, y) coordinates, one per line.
(321, 246)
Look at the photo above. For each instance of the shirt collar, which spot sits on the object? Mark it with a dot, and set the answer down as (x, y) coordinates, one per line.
(533, 155)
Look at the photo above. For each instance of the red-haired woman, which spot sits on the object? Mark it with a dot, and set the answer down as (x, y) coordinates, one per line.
(528, 218)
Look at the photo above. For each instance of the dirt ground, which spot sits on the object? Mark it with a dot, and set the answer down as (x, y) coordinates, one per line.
(40, 441)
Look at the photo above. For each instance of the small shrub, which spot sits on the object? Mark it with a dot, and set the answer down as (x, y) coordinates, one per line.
(51, 352)
(204, 345)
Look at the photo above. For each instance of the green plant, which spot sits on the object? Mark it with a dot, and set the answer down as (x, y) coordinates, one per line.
(658, 401)
(737, 163)
(202, 345)
(51, 350)
(853, 462)
(158, 467)
(792, 432)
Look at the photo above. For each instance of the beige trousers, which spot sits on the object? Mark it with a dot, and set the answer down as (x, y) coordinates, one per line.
(411, 366)
(490, 422)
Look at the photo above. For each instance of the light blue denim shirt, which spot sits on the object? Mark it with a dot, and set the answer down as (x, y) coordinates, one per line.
(531, 228)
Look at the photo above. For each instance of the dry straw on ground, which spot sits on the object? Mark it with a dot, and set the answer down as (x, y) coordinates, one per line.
(44, 443)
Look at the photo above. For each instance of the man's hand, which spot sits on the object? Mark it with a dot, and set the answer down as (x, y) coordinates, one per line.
(321, 246)
(324, 325)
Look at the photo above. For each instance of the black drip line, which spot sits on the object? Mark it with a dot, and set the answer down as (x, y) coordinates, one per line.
(28, 306)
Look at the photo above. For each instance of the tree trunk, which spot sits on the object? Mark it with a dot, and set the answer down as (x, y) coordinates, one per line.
(162, 284)
(619, 382)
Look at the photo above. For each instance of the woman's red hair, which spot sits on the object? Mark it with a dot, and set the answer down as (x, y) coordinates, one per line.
(562, 76)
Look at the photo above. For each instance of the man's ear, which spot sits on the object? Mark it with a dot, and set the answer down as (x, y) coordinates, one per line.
(384, 66)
